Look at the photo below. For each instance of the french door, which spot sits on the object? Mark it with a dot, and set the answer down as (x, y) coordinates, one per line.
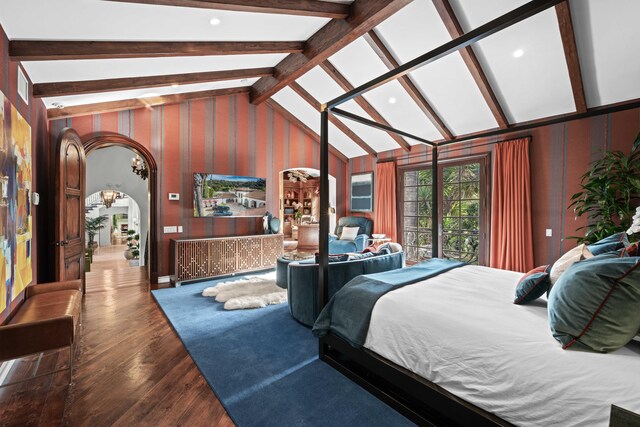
(462, 208)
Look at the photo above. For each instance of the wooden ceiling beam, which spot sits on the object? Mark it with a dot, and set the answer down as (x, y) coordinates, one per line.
(365, 15)
(565, 22)
(306, 129)
(129, 104)
(405, 81)
(321, 9)
(337, 76)
(48, 50)
(333, 119)
(469, 57)
(92, 86)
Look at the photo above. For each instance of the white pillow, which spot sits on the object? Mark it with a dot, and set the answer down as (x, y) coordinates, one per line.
(349, 233)
(567, 260)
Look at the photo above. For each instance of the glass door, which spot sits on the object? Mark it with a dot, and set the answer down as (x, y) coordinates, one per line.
(462, 211)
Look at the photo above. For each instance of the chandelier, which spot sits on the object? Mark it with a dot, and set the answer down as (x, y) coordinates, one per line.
(295, 175)
(139, 167)
(108, 197)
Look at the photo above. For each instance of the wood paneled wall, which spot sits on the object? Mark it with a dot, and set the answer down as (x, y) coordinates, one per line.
(560, 154)
(35, 114)
(225, 135)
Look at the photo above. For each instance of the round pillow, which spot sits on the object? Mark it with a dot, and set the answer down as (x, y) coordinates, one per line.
(594, 305)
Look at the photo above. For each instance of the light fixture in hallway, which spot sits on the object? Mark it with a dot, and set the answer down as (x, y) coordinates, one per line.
(108, 197)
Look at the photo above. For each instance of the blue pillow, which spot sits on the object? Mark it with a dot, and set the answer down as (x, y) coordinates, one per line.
(609, 244)
(533, 285)
(594, 304)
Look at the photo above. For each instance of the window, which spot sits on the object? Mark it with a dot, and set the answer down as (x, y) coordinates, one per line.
(462, 211)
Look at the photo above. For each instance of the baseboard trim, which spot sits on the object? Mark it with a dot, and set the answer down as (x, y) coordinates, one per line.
(164, 279)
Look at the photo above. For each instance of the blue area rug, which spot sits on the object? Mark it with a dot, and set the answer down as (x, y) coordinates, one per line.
(264, 367)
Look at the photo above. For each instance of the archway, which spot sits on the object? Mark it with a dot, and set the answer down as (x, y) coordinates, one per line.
(108, 139)
(310, 208)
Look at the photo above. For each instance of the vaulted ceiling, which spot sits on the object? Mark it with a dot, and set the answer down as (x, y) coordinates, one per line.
(88, 55)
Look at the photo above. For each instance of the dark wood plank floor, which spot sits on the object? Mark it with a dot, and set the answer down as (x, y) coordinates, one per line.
(130, 367)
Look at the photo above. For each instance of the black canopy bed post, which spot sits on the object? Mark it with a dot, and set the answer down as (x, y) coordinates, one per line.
(417, 398)
(435, 225)
(323, 261)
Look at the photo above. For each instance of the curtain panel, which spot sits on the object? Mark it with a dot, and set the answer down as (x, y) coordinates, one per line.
(385, 200)
(511, 234)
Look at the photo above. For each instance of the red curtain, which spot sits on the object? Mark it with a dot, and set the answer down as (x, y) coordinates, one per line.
(385, 200)
(511, 235)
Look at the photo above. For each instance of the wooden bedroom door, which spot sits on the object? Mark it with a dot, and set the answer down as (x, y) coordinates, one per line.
(69, 207)
(463, 213)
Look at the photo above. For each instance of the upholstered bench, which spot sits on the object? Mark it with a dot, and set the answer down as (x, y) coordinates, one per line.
(302, 291)
(46, 320)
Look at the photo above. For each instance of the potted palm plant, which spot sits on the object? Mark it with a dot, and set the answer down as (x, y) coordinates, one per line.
(93, 227)
(609, 194)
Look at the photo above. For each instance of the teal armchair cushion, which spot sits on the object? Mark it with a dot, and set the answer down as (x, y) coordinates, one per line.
(594, 306)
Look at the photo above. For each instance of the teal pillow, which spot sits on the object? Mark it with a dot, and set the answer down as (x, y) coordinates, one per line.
(594, 306)
(533, 285)
(609, 244)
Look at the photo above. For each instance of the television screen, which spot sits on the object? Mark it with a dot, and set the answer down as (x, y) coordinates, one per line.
(228, 196)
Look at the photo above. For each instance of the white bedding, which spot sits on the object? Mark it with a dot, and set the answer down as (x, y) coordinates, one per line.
(462, 331)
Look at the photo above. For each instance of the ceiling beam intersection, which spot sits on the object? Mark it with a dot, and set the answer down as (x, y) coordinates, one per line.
(335, 35)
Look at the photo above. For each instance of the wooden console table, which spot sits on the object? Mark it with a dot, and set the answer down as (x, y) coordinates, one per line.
(195, 259)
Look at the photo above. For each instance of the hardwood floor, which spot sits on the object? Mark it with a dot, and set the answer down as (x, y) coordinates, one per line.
(130, 367)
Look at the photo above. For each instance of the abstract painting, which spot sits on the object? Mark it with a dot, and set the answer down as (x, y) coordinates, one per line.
(15, 203)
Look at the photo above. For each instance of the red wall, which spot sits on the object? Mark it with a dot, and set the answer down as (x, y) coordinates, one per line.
(35, 115)
(225, 135)
(560, 154)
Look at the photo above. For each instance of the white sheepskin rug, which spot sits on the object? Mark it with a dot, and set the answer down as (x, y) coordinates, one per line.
(251, 292)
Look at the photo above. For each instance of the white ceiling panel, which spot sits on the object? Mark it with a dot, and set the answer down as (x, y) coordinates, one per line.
(310, 117)
(359, 64)
(323, 88)
(91, 98)
(103, 20)
(96, 69)
(608, 37)
(534, 85)
(447, 84)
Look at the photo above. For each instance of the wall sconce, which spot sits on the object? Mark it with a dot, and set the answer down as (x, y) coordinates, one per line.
(139, 167)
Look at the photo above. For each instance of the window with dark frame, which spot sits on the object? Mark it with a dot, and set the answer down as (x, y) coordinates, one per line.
(462, 210)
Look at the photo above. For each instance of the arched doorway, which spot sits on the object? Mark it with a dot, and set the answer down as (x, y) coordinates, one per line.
(108, 139)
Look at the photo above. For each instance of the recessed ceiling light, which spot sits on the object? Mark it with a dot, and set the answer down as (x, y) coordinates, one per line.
(175, 85)
(244, 80)
(215, 21)
(149, 95)
(392, 100)
(518, 53)
(57, 105)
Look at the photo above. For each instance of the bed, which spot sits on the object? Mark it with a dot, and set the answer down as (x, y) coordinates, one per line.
(453, 349)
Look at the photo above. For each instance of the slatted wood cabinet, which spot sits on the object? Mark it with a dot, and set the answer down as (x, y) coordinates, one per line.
(195, 259)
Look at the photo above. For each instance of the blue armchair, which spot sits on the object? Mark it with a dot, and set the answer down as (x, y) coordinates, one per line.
(337, 246)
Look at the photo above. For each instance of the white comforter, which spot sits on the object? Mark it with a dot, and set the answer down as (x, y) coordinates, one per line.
(461, 331)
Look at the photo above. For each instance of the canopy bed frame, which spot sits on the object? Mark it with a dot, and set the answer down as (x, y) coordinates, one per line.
(417, 398)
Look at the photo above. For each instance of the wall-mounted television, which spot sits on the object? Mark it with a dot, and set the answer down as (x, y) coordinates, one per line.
(228, 196)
